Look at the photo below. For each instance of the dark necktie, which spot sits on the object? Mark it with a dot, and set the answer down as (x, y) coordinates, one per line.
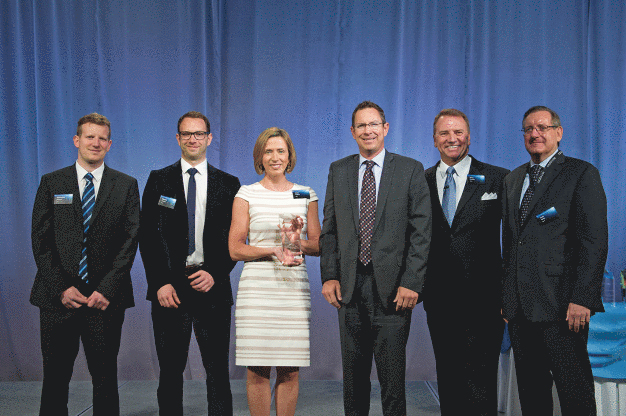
(448, 201)
(533, 176)
(88, 201)
(191, 210)
(367, 213)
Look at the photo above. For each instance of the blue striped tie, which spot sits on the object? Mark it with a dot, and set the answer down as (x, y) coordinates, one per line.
(89, 200)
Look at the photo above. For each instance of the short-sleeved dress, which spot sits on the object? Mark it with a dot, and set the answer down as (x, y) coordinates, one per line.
(273, 307)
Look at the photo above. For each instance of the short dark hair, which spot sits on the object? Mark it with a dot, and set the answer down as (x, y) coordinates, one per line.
(450, 112)
(369, 104)
(93, 118)
(261, 142)
(556, 120)
(195, 114)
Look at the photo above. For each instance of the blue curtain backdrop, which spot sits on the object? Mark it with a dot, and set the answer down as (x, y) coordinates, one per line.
(302, 66)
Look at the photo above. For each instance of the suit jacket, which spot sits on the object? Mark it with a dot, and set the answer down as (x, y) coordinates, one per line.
(549, 264)
(402, 227)
(164, 235)
(465, 263)
(57, 235)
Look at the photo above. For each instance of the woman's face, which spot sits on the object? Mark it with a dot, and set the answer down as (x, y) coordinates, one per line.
(276, 156)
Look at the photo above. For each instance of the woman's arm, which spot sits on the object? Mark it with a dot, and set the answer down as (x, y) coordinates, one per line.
(239, 228)
(311, 246)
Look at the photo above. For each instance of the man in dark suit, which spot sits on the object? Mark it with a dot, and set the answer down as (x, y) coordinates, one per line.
(374, 247)
(84, 236)
(463, 281)
(184, 247)
(554, 246)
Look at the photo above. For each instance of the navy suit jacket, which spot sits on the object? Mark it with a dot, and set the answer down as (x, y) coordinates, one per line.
(550, 264)
(465, 263)
(402, 227)
(164, 235)
(57, 235)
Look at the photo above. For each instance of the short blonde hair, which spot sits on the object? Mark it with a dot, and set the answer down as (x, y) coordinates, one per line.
(261, 142)
(93, 118)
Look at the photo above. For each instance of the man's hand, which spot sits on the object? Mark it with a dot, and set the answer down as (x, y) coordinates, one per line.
(405, 299)
(97, 301)
(167, 296)
(332, 292)
(72, 298)
(577, 317)
(201, 281)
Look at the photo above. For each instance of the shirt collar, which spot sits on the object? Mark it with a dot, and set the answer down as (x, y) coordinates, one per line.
(97, 173)
(379, 159)
(461, 168)
(201, 167)
(546, 160)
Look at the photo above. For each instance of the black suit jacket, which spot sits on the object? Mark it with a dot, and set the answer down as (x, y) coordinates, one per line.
(402, 227)
(465, 264)
(57, 235)
(550, 264)
(164, 235)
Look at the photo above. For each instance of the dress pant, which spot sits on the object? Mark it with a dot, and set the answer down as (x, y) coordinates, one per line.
(467, 352)
(547, 352)
(61, 332)
(368, 329)
(172, 333)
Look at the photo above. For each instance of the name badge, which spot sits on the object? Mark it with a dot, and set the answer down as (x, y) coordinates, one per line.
(547, 215)
(167, 202)
(63, 199)
(300, 194)
(476, 178)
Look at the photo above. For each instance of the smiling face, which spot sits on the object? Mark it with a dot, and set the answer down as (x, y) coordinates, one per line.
(92, 144)
(452, 139)
(275, 156)
(193, 149)
(371, 140)
(540, 145)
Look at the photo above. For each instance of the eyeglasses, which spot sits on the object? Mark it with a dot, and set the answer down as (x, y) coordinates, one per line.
(540, 129)
(372, 126)
(199, 135)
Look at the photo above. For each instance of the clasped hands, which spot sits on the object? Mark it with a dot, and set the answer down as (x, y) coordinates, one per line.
(405, 298)
(202, 281)
(71, 298)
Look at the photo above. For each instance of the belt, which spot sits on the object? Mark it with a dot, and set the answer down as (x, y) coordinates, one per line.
(192, 268)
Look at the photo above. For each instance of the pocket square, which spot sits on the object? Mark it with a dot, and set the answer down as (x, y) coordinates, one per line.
(489, 196)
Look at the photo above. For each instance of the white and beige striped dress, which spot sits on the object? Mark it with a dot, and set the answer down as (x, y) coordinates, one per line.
(273, 307)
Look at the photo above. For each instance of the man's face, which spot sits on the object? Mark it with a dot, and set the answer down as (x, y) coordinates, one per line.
(93, 144)
(371, 140)
(540, 145)
(193, 149)
(452, 139)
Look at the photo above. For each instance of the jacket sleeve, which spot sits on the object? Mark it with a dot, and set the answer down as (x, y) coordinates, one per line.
(329, 257)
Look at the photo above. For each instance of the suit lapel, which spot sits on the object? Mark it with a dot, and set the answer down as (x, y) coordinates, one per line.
(431, 179)
(71, 176)
(517, 196)
(384, 187)
(352, 179)
(210, 193)
(106, 186)
(469, 190)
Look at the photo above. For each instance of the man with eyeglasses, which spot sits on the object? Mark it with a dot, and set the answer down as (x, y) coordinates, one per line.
(84, 235)
(374, 246)
(187, 209)
(463, 281)
(554, 246)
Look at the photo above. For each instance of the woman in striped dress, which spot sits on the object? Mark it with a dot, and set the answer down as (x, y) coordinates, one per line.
(273, 305)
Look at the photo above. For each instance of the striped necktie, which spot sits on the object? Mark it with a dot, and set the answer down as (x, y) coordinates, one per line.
(89, 200)
(367, 213)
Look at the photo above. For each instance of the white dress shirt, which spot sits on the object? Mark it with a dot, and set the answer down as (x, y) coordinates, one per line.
(82, 182)
(544, 165)
(462, 169)
(201, 188)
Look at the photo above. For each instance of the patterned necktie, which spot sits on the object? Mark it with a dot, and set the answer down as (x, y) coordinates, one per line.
(191, 210)
(89, 200)
(367, 213)
(448, 201)
(533, 175)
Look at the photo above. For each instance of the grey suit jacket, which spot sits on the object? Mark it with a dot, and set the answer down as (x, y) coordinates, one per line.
(402, 227)
(57, 235)
(551, 263)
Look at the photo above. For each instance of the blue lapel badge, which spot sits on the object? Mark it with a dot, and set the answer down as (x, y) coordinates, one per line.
(63, 199)
(300, 194)
(547, 215)
(479, 179)
(167, 202)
